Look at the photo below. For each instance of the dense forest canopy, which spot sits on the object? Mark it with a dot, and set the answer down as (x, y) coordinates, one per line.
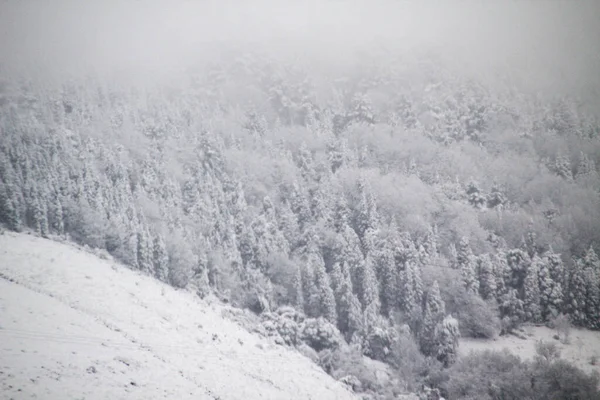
(368, 164)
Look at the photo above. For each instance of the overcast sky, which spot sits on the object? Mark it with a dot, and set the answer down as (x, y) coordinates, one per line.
(555, 42)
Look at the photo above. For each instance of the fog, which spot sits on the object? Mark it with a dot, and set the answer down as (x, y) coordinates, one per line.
(545, 44)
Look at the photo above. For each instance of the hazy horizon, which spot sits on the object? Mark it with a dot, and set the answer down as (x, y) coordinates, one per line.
(546, 45)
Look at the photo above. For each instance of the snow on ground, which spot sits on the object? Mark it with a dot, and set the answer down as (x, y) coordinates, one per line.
(74, 326)
(583, 345)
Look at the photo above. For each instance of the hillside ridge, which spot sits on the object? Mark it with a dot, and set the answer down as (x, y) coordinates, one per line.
(73, 327)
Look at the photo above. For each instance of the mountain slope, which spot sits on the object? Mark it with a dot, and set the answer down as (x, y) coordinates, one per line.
(75, 326)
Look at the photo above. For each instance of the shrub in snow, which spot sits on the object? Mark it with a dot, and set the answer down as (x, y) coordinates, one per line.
(546, 351)
(379, 342)
(284, 325)
(353, 382)
(308, 352)
(320, 334)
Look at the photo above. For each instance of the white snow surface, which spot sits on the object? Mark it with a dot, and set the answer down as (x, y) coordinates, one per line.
(74, 326)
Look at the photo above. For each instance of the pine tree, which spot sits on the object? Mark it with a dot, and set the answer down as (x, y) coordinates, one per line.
(487, 279)
(427, 336)
(433, 314)
(337, 154)
(562, 167)
(40, 216)
(410, 289)
(288, 224)
(349, 307)
(531, 289)
(518, 262)
(369, 241)
(367, 216)
(368, 290)
(586, 166)
(496, 197)
(551, 296)
(340, 215)
(300, 206)
(56, 216)
(351, 253)
(530, 243)
(130, 248)
(552, 284)
(591, 265)
(431, 241)
(447, 335)
(160, 259)
(247, 247)
(305, 163)
(434, 298)
(500, 271)
(336, 278)
(145, 250)
(511, 307)
(453, 254)
(387, 277)
(464, 252)
(320, 203)
(326, 298)
(467, 265)
(576, 297)
(8, 212)
(298, 290)
(474, 196)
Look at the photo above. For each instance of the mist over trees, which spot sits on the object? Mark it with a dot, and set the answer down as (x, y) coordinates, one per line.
(366, 183)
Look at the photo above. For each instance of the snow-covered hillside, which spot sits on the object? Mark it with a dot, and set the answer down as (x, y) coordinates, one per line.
(582, 348)
(74, 326)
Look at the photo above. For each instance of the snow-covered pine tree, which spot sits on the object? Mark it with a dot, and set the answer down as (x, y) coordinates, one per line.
(562, 166)
(487, 279)
(576, 303)
(160, 258)
(586, 166)
(349, 310)
(434, 298)
(298, 290)
(474, 195)
(145, 250)
(496, 197)
(288, 224)
(366, 215)
(550, 290)
(325, 295)
(430, 241)
(56, 215)
(40, 216)
(8, 212)
(558, 278)
(433, 314)
(427, 336)
(385, 268)
(591, 270)
(511, 308)
(500, 270)
(464, 252)
(447, 334)
(410, 290)
(467, 265)
(300, 206)
(368, 289)
(518, 262)
(531, 292)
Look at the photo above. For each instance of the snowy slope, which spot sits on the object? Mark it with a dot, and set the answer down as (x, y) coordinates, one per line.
(584, 344)
(74, 326)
